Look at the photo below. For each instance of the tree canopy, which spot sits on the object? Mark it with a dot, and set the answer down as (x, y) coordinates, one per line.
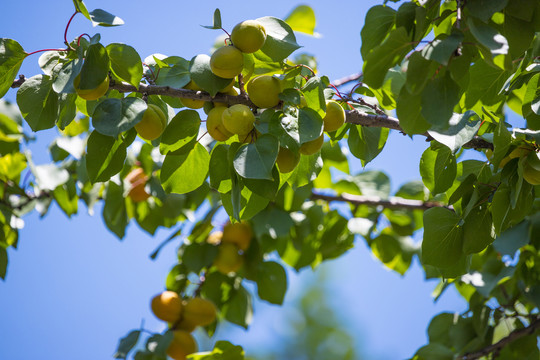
(271, 145)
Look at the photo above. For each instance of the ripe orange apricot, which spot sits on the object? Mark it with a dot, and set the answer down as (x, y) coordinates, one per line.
(167, 306)
(137, 180)
(91, 94)
(152, 124)
(335, 116)
(248, 36)
(239, 234)
(227, 62)
(228, 259)
(181, 345)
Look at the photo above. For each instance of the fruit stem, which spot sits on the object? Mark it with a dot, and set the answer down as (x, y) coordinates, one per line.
(67, 27)
(42, 50)
(199, 139)
(229, 35)
(80, 36)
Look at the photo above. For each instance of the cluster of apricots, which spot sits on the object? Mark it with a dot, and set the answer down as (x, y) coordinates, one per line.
(185, 316)
(232, 242)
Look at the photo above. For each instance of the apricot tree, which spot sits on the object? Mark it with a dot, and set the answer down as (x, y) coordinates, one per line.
(450, 72)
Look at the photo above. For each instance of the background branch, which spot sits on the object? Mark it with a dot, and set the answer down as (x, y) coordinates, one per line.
(391, 203)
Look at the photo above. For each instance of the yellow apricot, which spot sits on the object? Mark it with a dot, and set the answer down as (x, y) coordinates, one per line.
(239, 234)
(287, 160)
(181, 345)
(264, 91)
(197, 312)
(191, 103)
(238, 119)
(227, 62)
(531, 169)
(167, 306)
(248, 36)
(311, 147)
(91, 94)
(152, 124)
(335, 116)
(137, 180)
(214, 124)
(228, 259)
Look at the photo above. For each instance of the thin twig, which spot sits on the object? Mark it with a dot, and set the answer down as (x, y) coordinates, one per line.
(391, 203)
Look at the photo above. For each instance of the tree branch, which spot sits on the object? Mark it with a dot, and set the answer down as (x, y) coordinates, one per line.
(391, 203)
(353, 116)
(346, 79)
(514, 335)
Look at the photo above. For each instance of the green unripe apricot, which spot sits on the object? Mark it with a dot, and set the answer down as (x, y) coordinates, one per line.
(214, 124)
(91, 94)
(287, 160)
(152, 124)
(238, 119)
(264, 91)
(227, 62)
(248, 36)
(335, 116)
(311, 147)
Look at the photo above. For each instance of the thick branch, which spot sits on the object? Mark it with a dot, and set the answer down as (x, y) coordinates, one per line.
(391, 203)
(353, 116)
(514, 335)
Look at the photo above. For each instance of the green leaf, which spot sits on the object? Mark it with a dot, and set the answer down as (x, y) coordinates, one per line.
(379, 20)
(280, 40)
(197, 256)
(513, 239)
(3, 262)
(238, 309)
(66, 197)
(438, 100)
(256, 160)
(271, 282)
(366, 143)
(220, 178)
(114, 211)
(386, 55)
(63, 83)
(202, 75)
(463, 128)
(419, 71)
(438, 168)
(105, 157)
(223, 350)
(313, 92)
(502, 139)
(95, 68)
(408, 111)
(373, 183)
(126, 344)
(442, 48)
(488, 36)
(392, 252)
(485, 84)
(180, 133)
(184, 173)
(81, 7)
(478, 230)
(11, 57)
(125, 63)
(217, 21)
(38, 102)
(443, 237)
(103, 18)
(176, 74)
(439, 327)
(114, 116)
(484, 9)
(302, 19)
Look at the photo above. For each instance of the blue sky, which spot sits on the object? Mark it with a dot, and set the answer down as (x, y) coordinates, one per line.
(73, 289)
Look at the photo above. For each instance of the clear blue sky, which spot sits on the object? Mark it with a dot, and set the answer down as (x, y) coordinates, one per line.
(73, 289)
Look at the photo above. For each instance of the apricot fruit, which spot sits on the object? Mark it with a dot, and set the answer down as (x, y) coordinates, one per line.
(197, 312)
(137, 180)
(514, 154)
(248, 36)
(531, 168)
(311, 147)
(152, 124)
(335, 116)
(286, 160)
(228, 259)
(214, 124)
(227, 62)
(191, 103)
(239, 234)
(214, 238)
(167, 306)
(91, 94)
(264, 91)
(181, 345)
(238, 119)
